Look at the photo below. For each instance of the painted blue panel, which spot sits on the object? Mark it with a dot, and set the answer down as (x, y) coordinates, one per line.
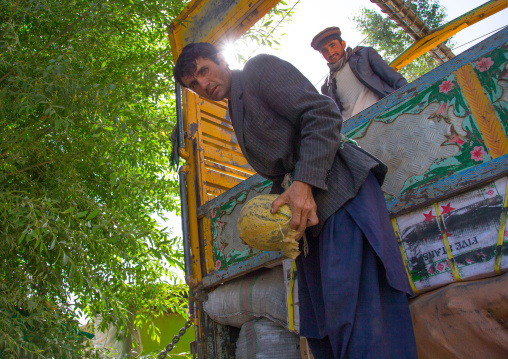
(263, 259)
(426, 80)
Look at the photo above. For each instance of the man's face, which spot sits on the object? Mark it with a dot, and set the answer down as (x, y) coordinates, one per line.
(333, 51)
(211, 80)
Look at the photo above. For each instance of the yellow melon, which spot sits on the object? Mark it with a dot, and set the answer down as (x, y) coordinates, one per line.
(259, 228)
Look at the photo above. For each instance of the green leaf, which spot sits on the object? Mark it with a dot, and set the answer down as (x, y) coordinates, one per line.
(22, 237)
(81, 214)
(69, 210)
(109, 128)
(92, 214)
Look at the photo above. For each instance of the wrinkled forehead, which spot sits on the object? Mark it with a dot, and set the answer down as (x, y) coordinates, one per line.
(328, 43)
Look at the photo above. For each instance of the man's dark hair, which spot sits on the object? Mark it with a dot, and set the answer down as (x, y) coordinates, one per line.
(328, 39)
(186, 63)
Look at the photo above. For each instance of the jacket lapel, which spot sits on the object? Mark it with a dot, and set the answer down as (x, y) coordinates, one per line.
(237, 108)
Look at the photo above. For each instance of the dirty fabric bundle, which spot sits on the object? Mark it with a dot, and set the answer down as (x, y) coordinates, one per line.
(264, 339)
(259, 294)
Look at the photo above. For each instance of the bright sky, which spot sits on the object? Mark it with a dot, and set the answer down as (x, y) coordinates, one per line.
(312, 16)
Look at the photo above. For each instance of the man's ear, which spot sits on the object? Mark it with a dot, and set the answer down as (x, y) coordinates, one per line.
(221, 59)
(343, 44)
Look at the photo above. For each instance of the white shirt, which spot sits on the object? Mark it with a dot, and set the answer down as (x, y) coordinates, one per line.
(354, 96)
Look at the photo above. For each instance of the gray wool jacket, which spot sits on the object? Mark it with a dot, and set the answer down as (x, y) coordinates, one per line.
(372, 71)
(283, 125)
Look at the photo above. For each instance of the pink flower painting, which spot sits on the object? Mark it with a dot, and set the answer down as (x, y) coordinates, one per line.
(442, 110)
(456, 139)
(484, 64)
(446, 86)
(217, 265)
(478, 153)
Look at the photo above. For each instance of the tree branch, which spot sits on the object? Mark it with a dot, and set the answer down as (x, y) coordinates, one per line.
(32, 166)
(68, 28)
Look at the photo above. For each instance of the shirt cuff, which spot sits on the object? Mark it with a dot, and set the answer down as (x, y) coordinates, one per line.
(315, 178)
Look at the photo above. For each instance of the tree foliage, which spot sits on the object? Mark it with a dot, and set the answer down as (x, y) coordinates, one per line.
(264, 32)
(86, 112)
(390, 40)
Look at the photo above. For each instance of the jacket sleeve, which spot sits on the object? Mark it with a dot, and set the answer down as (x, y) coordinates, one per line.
(316, 117)
(385, 71)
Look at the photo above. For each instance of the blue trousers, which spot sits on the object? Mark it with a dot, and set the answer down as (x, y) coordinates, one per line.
(347, 307)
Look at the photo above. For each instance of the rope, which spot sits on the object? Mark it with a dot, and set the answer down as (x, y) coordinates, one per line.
(479, 37)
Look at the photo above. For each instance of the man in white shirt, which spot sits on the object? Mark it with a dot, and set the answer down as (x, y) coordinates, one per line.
(358, 77)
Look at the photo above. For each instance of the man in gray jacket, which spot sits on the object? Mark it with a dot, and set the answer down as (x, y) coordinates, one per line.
(358, 77)
(352, 283)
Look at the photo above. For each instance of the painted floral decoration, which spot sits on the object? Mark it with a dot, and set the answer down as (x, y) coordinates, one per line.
(478, 153)
(446, 86)
(456, 139)
(217, 265)
(442, 110)
(484, 64)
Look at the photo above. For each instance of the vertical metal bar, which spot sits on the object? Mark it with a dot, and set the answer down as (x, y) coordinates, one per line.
(184, 203)
(183, 185)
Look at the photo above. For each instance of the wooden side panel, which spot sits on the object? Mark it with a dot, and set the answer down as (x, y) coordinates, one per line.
(216, 21)
(223, 165)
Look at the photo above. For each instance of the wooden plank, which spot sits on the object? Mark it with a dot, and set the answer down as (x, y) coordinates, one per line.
(221, 180)
(218, 108)
(221, 145)
(448, 186)
(227, 170)
(483, 112)
(230, 158)
(426, 80)
(216, 121)
(214, 191)
(219, 132)
(263, 259)
(448, 30)
(252, 181)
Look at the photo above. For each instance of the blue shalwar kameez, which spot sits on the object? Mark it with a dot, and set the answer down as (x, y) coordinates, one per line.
(348, 309)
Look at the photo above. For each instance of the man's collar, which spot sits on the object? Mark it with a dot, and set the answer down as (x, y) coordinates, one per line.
(236, 85)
